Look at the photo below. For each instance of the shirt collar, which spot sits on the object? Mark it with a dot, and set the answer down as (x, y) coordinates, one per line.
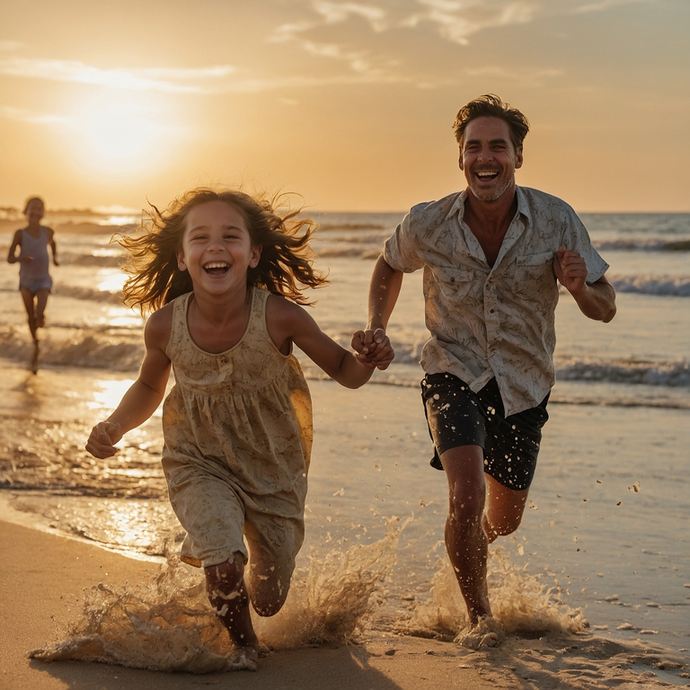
(458, 206)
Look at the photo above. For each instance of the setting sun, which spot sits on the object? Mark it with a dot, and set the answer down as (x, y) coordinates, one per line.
(119, 133)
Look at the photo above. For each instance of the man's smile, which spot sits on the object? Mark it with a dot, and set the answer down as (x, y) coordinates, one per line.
(486, 174)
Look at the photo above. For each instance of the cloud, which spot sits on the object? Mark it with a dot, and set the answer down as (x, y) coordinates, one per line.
(602, 5)
(457, 21)
(527, 77)
(359, 61)
(11, 45)
(21, 115)
(334, 12)
(168, 80)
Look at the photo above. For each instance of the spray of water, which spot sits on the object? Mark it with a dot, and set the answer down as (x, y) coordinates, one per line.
(168, 624)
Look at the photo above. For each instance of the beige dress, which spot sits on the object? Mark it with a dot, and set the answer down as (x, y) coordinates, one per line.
(238, 436)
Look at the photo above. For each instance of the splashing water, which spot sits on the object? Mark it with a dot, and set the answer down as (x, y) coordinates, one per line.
(520, 601)
(333, 601)
(168, 625)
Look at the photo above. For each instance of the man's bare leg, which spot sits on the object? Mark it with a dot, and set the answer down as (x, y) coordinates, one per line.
(466, 541)
(504, 509)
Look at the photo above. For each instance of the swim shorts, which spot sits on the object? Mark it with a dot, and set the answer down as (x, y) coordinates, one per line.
(457, 416)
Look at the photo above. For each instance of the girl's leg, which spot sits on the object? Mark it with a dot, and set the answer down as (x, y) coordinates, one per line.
(273, 546)
(41, 301)
(228, 596)
(28, 299)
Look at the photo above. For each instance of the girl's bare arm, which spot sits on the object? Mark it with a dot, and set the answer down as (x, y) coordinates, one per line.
(291, 322)
(143, 397)
(16, 242)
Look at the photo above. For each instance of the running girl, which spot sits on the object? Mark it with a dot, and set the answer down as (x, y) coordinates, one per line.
(34, 279)
(225, 273)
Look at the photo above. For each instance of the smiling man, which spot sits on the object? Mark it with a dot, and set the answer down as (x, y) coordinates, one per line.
(492, 257)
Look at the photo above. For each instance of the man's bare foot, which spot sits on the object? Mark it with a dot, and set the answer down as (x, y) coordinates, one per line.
(488, 632)
(243, 659)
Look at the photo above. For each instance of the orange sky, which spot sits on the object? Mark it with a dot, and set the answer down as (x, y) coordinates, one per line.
(348, 103)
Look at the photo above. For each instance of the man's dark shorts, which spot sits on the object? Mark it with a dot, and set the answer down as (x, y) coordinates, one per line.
(458, 416)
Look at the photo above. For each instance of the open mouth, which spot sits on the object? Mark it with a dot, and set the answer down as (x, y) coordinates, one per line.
(486, 175)
(217, 268)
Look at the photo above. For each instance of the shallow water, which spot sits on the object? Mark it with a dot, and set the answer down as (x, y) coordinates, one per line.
(605, 537)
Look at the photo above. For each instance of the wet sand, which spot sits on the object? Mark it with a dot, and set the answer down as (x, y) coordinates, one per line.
(44, 576)
(42, 580)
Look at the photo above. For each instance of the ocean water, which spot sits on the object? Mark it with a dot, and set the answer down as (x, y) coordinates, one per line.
(605, 542)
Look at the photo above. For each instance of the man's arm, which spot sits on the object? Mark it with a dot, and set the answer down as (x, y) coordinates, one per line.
(596, 301)
(384, 289)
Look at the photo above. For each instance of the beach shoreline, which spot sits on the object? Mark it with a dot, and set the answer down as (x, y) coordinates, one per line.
(42, 597)
(45, 576)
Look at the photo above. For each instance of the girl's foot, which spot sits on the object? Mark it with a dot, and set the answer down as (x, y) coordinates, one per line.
(243, 659)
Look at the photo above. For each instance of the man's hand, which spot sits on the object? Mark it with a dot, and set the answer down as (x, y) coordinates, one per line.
(373, 348)
(570, 269)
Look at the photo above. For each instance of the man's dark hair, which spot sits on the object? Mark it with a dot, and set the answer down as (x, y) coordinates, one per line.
(490, 105)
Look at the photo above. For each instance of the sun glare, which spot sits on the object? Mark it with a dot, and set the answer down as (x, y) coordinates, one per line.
(116, 132)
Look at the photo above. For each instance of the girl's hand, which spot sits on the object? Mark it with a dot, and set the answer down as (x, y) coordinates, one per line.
(373, 348)
(104, 436)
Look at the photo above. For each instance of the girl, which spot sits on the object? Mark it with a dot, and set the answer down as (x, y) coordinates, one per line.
(218, 267)
(34, 280)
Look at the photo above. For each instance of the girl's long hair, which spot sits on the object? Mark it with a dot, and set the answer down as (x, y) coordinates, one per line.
(285, 267)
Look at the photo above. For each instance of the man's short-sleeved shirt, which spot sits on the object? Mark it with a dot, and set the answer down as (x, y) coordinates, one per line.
(492, 321)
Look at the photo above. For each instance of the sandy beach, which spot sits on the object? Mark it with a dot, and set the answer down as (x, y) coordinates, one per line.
(41, 585)
(44, 578)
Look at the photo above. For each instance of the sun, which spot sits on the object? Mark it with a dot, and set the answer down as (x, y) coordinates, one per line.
(117, 131)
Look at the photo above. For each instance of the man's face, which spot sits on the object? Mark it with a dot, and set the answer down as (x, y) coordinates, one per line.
(489, 159)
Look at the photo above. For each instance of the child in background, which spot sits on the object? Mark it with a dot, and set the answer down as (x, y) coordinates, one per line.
(34, 279)
(225, 273)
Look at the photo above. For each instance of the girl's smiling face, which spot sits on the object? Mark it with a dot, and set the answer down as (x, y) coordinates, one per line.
(34, 211)
(217, 248)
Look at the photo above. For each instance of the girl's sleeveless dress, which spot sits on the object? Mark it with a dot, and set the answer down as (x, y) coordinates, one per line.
(34, 275)
(238, 435)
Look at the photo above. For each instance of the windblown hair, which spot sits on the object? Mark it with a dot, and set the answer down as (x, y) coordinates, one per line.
(491, 105)
(285, 266)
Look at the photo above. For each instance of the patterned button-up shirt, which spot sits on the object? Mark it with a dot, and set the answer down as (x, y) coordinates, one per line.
(492, 321)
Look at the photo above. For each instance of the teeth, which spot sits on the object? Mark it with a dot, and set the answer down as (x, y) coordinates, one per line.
(487, 173)
(218, 264)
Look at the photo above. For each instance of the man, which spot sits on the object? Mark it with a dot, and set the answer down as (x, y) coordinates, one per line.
(492, 255)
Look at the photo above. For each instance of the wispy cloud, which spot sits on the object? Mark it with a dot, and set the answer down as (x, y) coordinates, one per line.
(531, 77)
(361, 62)
(334, 12)
(10, 45)
(458, 21)
(168, 80)
(601, 5)
(22, 115)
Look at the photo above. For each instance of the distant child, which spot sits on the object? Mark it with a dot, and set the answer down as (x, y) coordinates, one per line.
(34, 279)
(225, 273)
